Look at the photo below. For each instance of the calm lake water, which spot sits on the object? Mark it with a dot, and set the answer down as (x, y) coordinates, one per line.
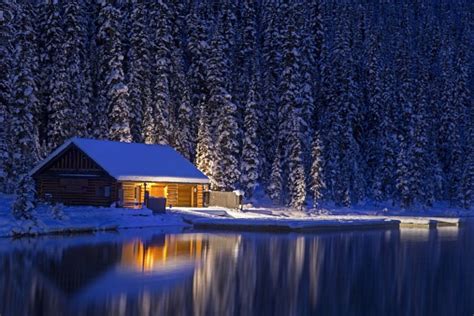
(151, 272)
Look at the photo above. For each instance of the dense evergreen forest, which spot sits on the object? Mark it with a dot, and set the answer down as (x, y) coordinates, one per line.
(308, 100)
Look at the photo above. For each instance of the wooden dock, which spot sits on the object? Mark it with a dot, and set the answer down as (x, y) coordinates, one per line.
(328, 223)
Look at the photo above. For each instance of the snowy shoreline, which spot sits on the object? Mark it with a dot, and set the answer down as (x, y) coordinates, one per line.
(88, 219)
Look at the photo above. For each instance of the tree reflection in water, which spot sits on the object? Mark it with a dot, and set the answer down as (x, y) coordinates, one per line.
(398, 272)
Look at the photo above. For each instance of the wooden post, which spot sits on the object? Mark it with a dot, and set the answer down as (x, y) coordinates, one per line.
(146, 195)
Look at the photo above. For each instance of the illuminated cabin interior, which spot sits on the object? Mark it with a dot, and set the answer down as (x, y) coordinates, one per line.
(176, 194)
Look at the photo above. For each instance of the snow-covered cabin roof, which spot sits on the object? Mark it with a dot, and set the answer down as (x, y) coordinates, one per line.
(134, 161)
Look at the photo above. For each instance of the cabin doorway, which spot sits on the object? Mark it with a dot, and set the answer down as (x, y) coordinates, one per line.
(187, 195)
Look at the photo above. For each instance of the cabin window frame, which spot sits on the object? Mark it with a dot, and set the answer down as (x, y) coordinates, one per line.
(107, 191)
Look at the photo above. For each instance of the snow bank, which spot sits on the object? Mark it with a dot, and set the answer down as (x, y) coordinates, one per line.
(81, 219)
(261, 204)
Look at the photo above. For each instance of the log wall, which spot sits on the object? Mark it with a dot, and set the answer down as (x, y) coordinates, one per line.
(72, 178)
(77, 191)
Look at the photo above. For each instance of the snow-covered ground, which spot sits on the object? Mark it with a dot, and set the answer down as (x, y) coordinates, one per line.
(261, 204)
(82, 218)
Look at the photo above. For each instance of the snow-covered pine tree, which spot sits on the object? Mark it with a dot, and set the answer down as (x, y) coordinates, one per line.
(227, 24)
(423, 181)
(148, 129)
(275, 187)
(405, 121)
(403, 172)
(250, 154)
(355, 157)
(296, 173)
(98, 124)
(161, 45)
(427, 180)
(468, 181)
(198, 48)
(316, 34)
(78, 66)
(317, 179)
(113, 89)
(343, 172)
(205, 155)
(429, 57)
(139, 74)
(467, 193)
(223, 111)
(383, 181)
(25, 104)
(60, 119)
(316, 31)
(183, 126)
(372, 128)
(23, 130)
(327, 119)
(7, 10)
(183, 138)
(42, 73)
(307, 65)
(271, 70)
(24, 204)
(244, 54)
(289, 89)
(226, 169)
(4, 144)
(449, 144)
(359, 25)
(291, 114)
(249, 42)
(462, 95)
(456, 105)
(379, 143)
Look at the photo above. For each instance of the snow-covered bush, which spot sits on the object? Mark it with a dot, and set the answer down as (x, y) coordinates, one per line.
(57, 211)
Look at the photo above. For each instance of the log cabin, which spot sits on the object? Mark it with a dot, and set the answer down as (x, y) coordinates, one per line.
(103, 173)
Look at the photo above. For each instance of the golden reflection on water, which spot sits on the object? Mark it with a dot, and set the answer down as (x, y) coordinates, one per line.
(151, 257)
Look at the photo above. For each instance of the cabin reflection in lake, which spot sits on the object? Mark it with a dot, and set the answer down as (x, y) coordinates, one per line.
(406, 272)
